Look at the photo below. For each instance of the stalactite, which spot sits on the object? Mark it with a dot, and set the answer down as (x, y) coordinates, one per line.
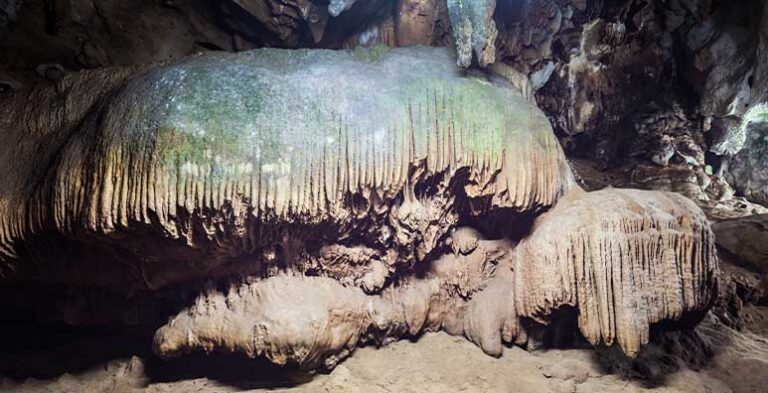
(625, 258)
(334, 183)
(170, 140)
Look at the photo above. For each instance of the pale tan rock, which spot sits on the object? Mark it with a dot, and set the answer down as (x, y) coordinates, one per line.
(415, 21)
(335, 186)
(625, 258)
(261, 182)
(747, 239)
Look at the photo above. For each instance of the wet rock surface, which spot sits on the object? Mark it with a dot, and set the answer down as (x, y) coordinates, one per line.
(691, 68)
(246, 185)
(747, 170)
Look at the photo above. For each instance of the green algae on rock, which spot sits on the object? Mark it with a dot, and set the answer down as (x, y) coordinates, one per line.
(304, 136)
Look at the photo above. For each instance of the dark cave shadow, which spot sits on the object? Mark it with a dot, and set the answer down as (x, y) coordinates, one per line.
(673, 347)
(47, 351)
(235, 370)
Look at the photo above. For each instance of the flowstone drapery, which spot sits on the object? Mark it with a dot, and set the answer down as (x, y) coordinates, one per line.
(230, 153)
(335, 198)
(624, 258)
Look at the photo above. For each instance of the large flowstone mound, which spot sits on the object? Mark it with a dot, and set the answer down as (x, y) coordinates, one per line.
(334, 198)
(624, 258)
(230, 154)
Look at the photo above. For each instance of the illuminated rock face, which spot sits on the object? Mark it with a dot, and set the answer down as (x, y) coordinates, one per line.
(343, 197)
(254, 154)
(624, 258)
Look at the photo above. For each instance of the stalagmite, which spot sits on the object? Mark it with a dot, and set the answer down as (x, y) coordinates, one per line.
(624, 259)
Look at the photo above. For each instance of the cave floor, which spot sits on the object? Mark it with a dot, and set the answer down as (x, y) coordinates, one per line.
(436, 362)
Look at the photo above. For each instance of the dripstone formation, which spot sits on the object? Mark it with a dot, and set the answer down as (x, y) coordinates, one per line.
(335, 199)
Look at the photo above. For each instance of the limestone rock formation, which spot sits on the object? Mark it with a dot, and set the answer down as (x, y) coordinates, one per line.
(747, 239)
(580, 57)
(624, 258)
(711, 192)
(415, 21)
(465, 292)
(212, 193)
(334, 198)
(747, 167)
(209, 171)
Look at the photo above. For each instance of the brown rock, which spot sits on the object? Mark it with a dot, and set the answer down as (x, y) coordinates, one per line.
(415, 22)
(746, 238)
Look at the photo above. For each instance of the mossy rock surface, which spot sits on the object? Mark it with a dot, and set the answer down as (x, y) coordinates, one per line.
(268, 104)
(230, 141)
(341, 120)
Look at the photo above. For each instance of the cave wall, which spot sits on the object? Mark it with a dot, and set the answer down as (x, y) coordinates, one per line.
(330, 217)
(662, 94)
(633, 84)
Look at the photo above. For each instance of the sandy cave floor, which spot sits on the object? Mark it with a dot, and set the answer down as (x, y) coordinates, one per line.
(436, 362)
